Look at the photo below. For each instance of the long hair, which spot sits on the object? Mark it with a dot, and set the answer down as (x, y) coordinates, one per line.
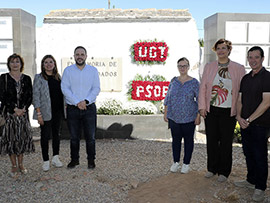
(15, 56)
(55, 73)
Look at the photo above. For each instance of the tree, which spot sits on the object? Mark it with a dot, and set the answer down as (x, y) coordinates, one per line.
(201, 42)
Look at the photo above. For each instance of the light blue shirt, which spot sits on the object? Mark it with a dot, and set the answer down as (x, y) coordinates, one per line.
(78, 85)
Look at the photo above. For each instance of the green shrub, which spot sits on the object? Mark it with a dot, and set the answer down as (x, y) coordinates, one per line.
(237, 134)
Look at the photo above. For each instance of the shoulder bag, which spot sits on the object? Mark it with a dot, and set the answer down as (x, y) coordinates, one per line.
(2, 116)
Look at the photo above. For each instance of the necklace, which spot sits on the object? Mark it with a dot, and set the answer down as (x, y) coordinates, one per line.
(223, 64)
(16, 77)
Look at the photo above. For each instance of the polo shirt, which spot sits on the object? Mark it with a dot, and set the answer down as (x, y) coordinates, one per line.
(252, 89)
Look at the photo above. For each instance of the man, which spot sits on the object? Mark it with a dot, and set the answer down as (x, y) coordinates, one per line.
(253, 115)
(80, 86)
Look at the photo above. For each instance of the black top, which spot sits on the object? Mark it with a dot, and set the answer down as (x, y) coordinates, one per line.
(55, 94)
(252, 89)
(9, 97)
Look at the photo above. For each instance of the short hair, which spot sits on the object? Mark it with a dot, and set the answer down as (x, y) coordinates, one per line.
(255, 48)
(222, 41)
(15, 56)
(55, 73)
(183, 59)
(80, 47)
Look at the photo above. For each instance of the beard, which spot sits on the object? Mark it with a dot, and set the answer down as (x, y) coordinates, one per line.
(80, 63)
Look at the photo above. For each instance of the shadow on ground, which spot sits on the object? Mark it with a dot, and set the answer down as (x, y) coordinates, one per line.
(115, 131)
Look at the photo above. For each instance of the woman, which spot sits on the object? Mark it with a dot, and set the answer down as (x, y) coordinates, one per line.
(181, 111)
(217, 105)
(16, 97)
(48, 104)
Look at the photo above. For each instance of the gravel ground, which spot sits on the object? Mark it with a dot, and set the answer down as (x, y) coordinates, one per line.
(120, 166)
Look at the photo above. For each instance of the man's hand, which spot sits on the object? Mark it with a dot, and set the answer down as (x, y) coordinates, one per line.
(82, 105)
(242, 122)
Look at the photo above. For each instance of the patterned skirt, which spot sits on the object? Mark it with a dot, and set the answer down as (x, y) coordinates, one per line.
(16, 136)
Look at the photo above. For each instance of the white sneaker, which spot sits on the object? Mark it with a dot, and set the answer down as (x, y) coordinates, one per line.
(185, 168)
(244, 184)
(46, 165)
(258, 195)
(56, 162)
(222, 178)
(175, 167)
(209, 174)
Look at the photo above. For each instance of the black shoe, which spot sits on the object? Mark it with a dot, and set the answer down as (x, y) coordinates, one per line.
(91, 164)
(73, 163)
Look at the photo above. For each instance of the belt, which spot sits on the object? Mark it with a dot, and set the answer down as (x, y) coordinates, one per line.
(75, 107)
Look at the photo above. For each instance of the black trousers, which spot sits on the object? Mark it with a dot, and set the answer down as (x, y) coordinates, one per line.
(51, 129)
(219, 126)
(82, 119)
(254, 139)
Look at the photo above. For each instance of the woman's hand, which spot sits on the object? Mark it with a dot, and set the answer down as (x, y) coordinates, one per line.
(165, 113)
(165, 117)
(203, 113)
(40, 120)
(198, 119)
(19, 112)
(39, 117)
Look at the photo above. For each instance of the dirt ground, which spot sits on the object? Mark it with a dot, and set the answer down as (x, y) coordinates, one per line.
(193, 188)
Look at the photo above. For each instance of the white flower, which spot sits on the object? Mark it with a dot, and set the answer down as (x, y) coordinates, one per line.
(140, 107)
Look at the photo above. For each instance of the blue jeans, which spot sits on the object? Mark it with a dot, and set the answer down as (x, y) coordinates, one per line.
(179, 131)
(82, 119)
(254, 140)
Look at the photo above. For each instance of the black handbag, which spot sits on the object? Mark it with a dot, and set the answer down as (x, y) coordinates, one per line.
(2, 116)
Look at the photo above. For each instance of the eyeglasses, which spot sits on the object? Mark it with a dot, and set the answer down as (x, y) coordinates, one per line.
(182, 66)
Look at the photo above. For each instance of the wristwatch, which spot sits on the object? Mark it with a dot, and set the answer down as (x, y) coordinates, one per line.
(86, 101)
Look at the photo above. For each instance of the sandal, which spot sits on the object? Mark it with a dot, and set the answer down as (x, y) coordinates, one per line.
(22, 169)
(14, 172)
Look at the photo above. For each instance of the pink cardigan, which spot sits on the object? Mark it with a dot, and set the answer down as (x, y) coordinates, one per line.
(236, 71)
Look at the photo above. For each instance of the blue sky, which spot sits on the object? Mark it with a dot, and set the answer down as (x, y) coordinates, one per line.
(199, 9)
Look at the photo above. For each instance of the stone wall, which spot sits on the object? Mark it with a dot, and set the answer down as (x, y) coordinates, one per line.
(23, 37)
(128, 127)
(109, 33)
(244, 30)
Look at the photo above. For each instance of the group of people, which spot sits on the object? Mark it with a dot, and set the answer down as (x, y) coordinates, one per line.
(75, 93)
(225, 95)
